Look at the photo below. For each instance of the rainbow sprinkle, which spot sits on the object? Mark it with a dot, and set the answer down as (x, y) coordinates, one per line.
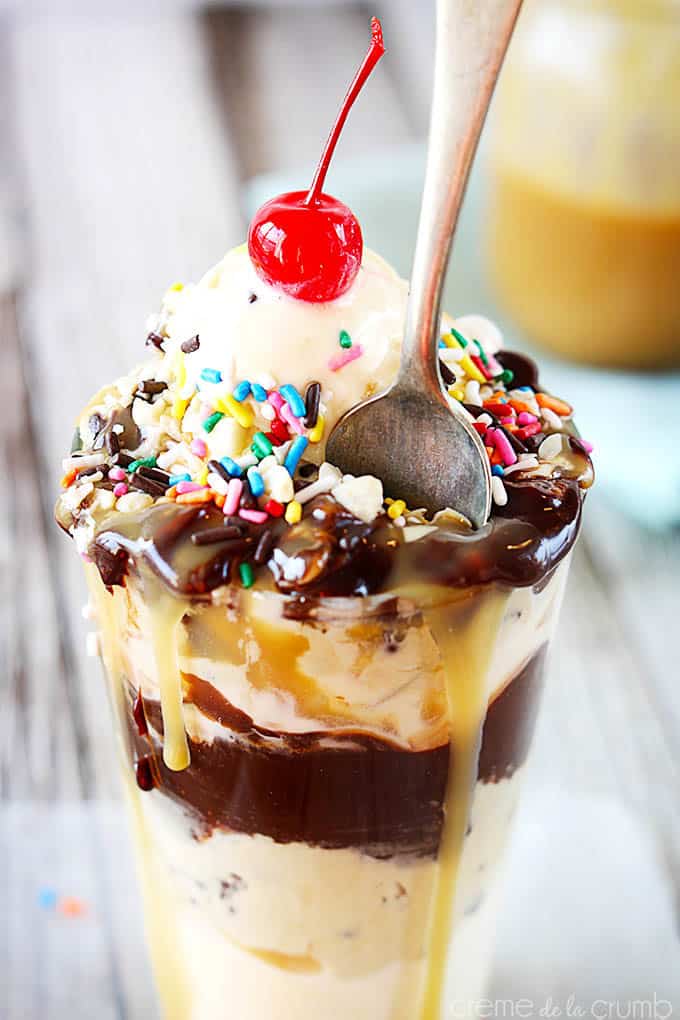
(297, 448)
(231, 467)
(293, 399)
(234, 491)
(293, 421)
(254, 516)
(256, 482)
(339, 361)
(246, 572)
(211, 375)
(211, 421)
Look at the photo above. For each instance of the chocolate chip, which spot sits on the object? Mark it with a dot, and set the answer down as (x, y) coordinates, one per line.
(152, 386)
(191, 345)
(111, 560)
(448, 378)
(524, 370)
(307, 470)
(155, 340)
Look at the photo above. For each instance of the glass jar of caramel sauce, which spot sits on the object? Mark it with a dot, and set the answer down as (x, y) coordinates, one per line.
(583, 232)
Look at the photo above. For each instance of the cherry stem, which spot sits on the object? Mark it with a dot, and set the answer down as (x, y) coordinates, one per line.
(375, 51)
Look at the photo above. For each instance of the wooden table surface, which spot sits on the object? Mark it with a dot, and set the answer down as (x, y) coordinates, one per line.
(124, 144)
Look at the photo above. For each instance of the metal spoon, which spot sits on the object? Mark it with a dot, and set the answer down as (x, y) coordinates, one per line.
(413, 437)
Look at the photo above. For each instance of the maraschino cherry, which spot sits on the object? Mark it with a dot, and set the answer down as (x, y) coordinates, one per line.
(307, 243)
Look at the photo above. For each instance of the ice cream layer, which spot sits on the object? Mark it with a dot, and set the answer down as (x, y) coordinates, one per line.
(360, 671)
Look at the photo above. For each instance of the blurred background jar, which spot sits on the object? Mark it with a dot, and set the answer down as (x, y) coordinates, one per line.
(583, 238)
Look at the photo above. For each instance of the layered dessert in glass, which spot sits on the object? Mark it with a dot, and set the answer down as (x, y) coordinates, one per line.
(324, 697)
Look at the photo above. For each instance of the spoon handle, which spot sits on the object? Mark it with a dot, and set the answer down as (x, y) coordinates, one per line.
(472, 37)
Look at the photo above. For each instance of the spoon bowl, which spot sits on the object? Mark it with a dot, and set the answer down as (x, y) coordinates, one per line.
(417, 445)
(421, 445)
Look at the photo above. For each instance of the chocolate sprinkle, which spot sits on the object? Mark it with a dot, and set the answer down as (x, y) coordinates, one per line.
(190, 345)
(252, 298)
(121, 459)
(149, 485)
(158, 476)
(219, 469)
(517, 444)
(237, 522)
(475, 410)
(312, 398)
(212, 535)
(264, 547)
(248, 501)
(168, 535)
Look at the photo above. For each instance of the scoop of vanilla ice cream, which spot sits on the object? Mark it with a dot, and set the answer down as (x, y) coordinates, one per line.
(249, 330)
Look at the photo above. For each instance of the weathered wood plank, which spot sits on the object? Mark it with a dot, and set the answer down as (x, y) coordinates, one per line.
(41, 726)
(640, 572)
(128, 186)
(56, 966)
(604, 729)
